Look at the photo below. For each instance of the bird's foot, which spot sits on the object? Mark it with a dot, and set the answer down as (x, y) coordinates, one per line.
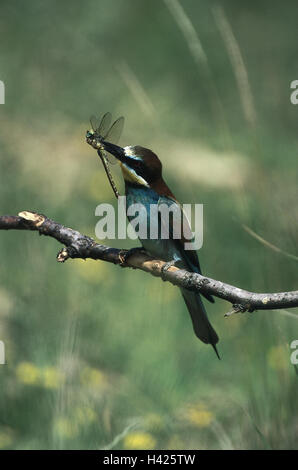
(166, 267)
(124, 255)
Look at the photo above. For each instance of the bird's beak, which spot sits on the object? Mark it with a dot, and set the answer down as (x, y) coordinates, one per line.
(115, 150)
(128, 172)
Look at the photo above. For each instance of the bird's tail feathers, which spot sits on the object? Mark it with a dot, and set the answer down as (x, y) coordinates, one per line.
(201, 325)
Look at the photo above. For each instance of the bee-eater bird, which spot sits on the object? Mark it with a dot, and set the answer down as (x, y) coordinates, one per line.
(142, 173)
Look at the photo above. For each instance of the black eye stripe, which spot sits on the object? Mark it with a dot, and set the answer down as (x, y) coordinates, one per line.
(134, 163)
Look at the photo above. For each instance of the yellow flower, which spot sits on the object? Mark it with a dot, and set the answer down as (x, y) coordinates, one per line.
(85, 415)
(52, 378)
(278, 358)
(199, 416)
(64, 427)
(139, 440)
(27, 373)
(92, 377)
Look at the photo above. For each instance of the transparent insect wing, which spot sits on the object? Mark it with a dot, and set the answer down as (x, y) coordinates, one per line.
(104, 125)
(94, 121)
(113, 136)
(111, 159)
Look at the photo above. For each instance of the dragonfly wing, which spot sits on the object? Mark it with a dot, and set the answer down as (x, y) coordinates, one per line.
(113, 136)
(94, 121)
(104, 125)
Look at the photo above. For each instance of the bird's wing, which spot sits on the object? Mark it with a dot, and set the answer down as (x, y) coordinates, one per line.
(190, 257)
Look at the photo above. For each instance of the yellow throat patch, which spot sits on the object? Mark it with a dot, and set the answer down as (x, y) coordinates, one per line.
(131, 176)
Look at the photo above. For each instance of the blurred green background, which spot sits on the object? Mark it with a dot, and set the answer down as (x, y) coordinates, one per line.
(99, 357)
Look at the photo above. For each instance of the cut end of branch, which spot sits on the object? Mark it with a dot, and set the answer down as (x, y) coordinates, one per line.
(63, 255)
(37, 219)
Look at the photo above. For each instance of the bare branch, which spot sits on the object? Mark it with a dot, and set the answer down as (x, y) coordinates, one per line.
(77, 245)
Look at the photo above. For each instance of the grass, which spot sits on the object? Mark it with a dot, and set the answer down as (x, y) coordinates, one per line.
(98, 357)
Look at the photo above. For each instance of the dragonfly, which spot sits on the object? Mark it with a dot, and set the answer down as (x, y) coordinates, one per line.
(103, 131)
